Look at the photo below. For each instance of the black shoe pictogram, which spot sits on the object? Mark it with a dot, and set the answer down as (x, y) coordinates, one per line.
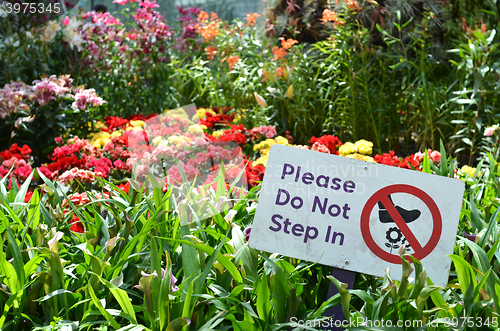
(407, 215)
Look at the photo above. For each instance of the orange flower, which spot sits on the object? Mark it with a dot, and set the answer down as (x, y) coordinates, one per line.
(278, 53)
(280, 71)
(353, 5)
(329, 16)
(232, 60)
(287, 44)
(211, 51)
(252, 19)
(213, 16)
(203, 16)
(209, 31)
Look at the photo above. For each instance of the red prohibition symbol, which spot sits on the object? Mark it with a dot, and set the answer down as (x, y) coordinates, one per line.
(382, 195)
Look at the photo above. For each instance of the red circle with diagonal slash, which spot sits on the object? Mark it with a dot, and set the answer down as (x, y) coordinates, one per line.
(382, 196)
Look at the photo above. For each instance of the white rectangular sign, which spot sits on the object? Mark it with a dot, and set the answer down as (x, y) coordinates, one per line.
(356, 215)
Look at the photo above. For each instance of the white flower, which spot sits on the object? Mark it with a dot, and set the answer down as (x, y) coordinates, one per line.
(73, 38)
(50, 31)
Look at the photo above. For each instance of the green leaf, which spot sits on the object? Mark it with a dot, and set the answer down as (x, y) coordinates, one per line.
(121, 297)
(103, 311)
(231, 268)
(178, 324)
(345, 296)
(22, 192)
(263, 304)
(34, 210)
(52, 294)
(465, 273)
(426, 167)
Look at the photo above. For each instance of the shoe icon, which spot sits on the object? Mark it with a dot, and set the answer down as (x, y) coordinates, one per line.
(407, 215)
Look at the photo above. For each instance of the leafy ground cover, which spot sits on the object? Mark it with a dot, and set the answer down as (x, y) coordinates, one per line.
(116, 213)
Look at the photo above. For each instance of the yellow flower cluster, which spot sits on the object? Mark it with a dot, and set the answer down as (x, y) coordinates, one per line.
(100, 139)
(201, 113)
(196, 129)
(466, 170)
(361, 146)
(362, 157)
(177, 113)
(218, 133)
(264, 147)
(135, 125)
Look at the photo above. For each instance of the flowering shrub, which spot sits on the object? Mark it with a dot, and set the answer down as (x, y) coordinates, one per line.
(55, 103)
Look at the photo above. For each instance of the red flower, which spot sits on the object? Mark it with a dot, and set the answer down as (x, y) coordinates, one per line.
(76, 225)
(331, 142)
(124, 187)
(28, 196)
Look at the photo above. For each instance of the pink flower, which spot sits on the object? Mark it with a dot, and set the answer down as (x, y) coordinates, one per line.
(489, 131)
(148, 4)
(435, 156)
(419, 157)
(120, 2)
(119, 164)
(320, 148)
(109, 146)
(65, 21)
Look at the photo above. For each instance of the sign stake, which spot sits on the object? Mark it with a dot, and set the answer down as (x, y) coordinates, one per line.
(344, 276)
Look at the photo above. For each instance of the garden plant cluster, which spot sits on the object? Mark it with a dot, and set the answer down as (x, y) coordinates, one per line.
(132, 152)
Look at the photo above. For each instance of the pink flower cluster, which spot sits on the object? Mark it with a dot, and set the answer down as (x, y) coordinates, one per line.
(434, 156)
(80, 199)
(77, 174)
(261, 131)
(86, 98)
(44, 90)
(107, 38)
(18, 96)
(13, 98)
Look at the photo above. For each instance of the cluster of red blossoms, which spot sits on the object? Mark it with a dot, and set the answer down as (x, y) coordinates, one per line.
(331, 142)
(393, 160)
(236, 133)
(114, 123)
(16, 158)
(211, 120)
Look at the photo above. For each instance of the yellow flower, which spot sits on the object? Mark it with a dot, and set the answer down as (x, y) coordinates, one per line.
(99, 125)
(201, 113)
(157, 141)
(100, 139)
(364, 146)
(362, 157)
(217, 133)
(196, 129)
(117, 133)
(281, 140)
(261, 160)
(138, 123)
(177, 113)
(265, 146)
(347, 148)
(466, 170)
(177, 140)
